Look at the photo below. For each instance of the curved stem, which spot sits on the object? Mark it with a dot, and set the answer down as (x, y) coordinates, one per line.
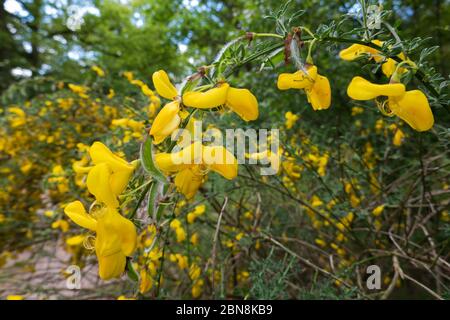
(308, 32)
(268, 35)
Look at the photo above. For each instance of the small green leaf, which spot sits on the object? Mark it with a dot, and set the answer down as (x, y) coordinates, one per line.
(152, 199)
(155, 206)
(147, 161)
(131, 272)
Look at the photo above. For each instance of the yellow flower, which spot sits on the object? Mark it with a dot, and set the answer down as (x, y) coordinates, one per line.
(166, 122)
(146, 282)
(181, 260)
(80, 90)
(181, 234)
(241, 101)
(357, 110)
(61, 224)
(399, 136)
(410, 106)
(14, 297)
(116, 237)
(361, 89)
(128, 75)
(194, 271)
(163, 86)
(291, 119)
(75, 240)
(357, 50)
(99, 71)
(168, 119)
(317, 87)
(175, 224)
(192, 164)
(111, 94)
(315, 201)
(378, 210)
(17, 117)
(109, 176)
(26, 166)
(190, 217)
(198, 211)
(414, 109)
(194, 239)
(122, 297)
(320, 242)
(197, 288)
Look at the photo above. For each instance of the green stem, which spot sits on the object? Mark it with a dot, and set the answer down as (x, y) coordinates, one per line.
(253, 57)
(138, 204)
(308, 32)
(269, 35)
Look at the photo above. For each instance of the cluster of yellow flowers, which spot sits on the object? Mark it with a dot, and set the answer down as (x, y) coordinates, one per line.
(106, 175)
(410, 106)
(116, 237)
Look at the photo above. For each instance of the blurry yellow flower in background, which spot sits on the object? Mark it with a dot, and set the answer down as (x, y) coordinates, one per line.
(378, 210)
(61, 224)
(179, 230)
(80, 90)
(17, 117)
(198, 211)
(99, 71)
(291, 119)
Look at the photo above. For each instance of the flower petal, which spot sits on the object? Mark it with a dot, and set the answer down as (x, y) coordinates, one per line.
(189, 180)
(177, 161)
(163, 86)
(112, 266)
(209, 99)
(98, 183)
(76, 212)
(320, 94)
(220, 160)
(361, 89)
(414, 109)
(357, 50)
(297, 80)
(119, 181)
(388, 67)
(101, 154)
(166, 122)
(125, 228)
(352, 52)
(243, 102)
